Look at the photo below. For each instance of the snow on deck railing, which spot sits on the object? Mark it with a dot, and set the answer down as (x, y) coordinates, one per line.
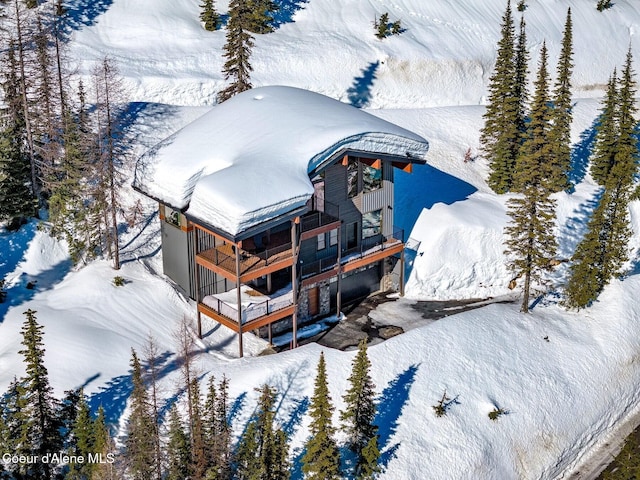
(250, 310)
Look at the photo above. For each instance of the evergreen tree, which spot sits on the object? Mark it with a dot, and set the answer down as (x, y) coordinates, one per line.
(140, 447)
(560, 135)
(199, 449)
(520, 82)
(369, 467)
(321, 460)
(248, 465)
(604, 149)
(499, 137)
(531, 242)
(41, 427)
(209, 16)
(261, 15)
(220, 433)
(178, 449)
(13, 420)
(263, 449)
(360, 408)
(237, 50)
(105, 447)
(604, 249)
(83, 441)
(17, 201)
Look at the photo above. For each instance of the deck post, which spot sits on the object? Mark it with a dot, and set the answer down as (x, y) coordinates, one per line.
(402, 273)
(197, 280)
(339, 279)
(239, 300)
(294, 280)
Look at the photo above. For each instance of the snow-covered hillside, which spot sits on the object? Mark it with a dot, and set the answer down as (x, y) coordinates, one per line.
(567, 379)
(444, 57)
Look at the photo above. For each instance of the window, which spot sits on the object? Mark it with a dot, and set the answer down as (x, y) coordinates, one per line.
(371, 223)
(352, 177)
(333, 237)
(321, 241)
(371, 178)
(352, 235)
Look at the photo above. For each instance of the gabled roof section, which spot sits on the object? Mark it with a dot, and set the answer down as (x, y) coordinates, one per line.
(248, 160)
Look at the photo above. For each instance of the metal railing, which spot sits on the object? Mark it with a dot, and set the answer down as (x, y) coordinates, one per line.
(248, 260)
(318, 266)
(376, 242)
(322, 215)
(251, 311)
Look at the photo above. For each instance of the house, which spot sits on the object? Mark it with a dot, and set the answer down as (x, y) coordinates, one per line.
(277, 207)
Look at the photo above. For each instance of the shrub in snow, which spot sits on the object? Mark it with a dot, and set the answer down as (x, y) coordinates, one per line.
(118, 281)
(443, 404)
(521, 6)
(603, 5)
(384, 28)
(497, 413)
(3, 291)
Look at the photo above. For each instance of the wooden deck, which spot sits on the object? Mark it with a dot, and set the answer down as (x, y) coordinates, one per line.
(248, 326)
(222, 260)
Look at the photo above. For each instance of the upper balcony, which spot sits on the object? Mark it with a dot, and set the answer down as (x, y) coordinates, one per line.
(256, 260)
(323, 217)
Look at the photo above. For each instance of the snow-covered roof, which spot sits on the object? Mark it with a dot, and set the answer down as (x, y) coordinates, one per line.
(248, 160)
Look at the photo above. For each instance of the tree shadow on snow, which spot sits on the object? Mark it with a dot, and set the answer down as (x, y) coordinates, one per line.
(83, 13)
(580, 154)
(359, 93)
(390, 405)
(24, 288)
(575, 227)
(286, 11)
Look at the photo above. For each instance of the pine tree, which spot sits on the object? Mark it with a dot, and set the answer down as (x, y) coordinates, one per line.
(499, 137)
(261, 15)
(369, 467)
(321, 460)
(560, 135)
(17, 201)
(360, 408)
(263, 450)
(604, 149)
(198, 441)
(209, 16)
(13, 420)
(41, 425)
(140, 447)
(604, 249)
(83, 441)
(531, 242)
(178, 449)
(237, 50)
(221, 430)
(105, 447)
(520, 82)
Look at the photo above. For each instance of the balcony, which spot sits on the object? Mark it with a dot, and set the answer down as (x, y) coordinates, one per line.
(324, 217)
(256, 309)
(254, 262)
(371, 250)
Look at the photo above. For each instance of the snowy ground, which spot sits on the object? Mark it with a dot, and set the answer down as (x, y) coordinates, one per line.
(565, 378)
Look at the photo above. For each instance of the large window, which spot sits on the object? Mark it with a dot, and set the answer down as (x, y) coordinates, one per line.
(321, 241)
(371, 178)
(352, 177)
(371, 223)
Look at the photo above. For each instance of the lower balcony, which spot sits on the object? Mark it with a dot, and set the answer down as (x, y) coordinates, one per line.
(256, 309)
